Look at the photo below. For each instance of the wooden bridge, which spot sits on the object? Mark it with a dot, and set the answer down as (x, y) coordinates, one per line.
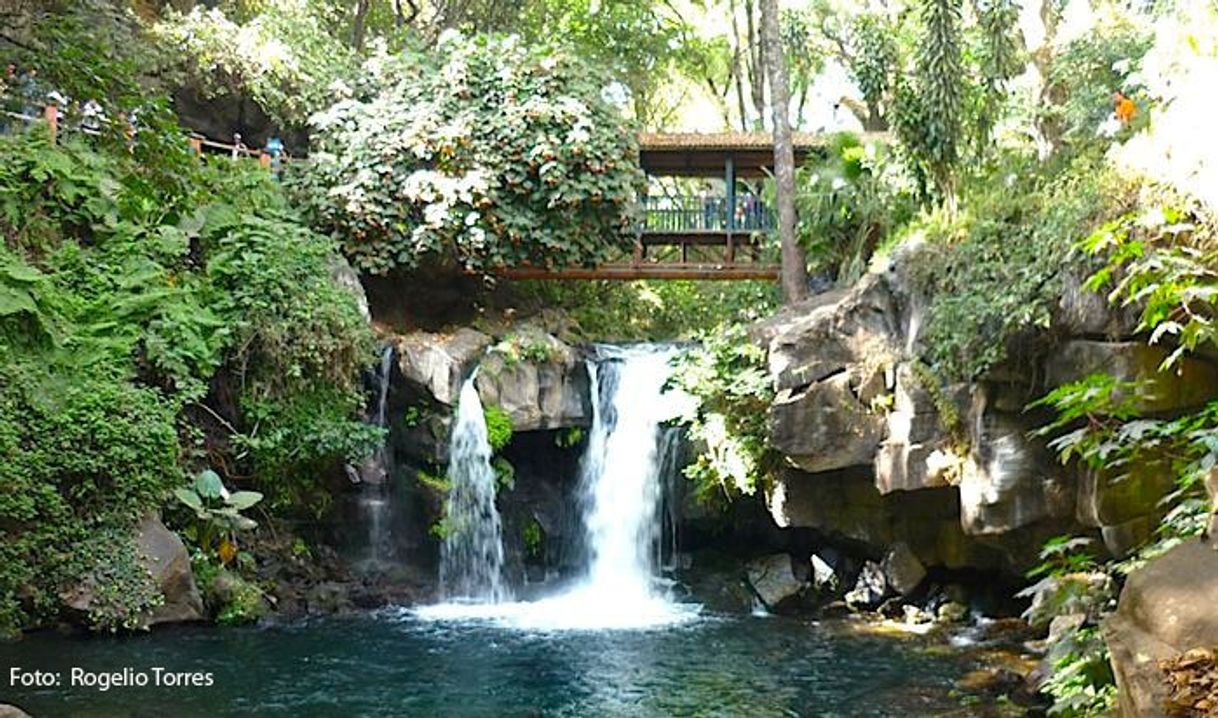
(703, 234)
(684, 234)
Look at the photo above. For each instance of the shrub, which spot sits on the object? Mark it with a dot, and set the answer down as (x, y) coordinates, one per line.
(481, 153)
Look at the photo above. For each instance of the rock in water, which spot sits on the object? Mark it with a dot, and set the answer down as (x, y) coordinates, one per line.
(870, 589)
(773, 579)
(902, 569)
(824, 578)
(168, 563)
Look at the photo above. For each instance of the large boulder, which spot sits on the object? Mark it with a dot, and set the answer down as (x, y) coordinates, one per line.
(825, 426)
(902, 569)
(1166, 608)
(165, 557)
(774, 581)
(436, 364)
(823, 335)
(544, 387)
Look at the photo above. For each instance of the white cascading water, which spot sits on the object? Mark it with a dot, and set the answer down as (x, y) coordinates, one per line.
(471, 560)
(374, 473)
(621, 486)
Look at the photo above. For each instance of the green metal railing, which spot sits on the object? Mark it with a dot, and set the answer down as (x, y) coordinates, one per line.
(706, 213)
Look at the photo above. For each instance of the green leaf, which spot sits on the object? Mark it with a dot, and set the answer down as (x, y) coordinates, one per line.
(209, 485)
(242, 500)
(188, 497)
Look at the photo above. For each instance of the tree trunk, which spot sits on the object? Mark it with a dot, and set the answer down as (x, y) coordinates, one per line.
(738, 70)
(757, 63)
(359, 26)
(794, 268)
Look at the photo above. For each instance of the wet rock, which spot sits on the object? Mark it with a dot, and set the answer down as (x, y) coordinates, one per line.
(774, 580)
(1074, 593)
(436, 364)
(824, 577)
(328, 597)
(546, 389)
(902, 569)
(720, 589)
(11, 711)
(824, 426)
(870, 589)
(952, 612)
(990, 682)
(1166, 609)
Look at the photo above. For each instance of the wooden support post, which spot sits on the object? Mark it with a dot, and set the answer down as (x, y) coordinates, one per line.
(51, 113)
(729, 179)
(264, 159)
(731, 248)
(196, 145)
(638, 252)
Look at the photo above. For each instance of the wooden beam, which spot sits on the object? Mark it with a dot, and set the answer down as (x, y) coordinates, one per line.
(626, 272)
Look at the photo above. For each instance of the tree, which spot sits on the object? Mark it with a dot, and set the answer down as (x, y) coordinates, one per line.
(482, 152)
(940, 73)
(794, 269)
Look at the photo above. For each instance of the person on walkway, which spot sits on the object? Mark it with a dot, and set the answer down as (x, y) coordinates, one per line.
(92, 117)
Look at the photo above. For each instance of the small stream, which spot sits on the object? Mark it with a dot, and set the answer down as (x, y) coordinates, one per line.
(392, 663)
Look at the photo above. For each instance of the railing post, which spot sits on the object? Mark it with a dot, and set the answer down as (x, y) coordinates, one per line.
(196, 145)
(51, 113)
(729, 178)
(264, 159)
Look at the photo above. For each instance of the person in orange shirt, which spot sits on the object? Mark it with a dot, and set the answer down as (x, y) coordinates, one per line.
(1123, 107)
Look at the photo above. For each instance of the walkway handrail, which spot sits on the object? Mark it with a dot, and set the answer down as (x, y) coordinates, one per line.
(199, 143)
(705, 213)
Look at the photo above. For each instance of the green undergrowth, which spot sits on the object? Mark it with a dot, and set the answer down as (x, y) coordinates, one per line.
(150, 329)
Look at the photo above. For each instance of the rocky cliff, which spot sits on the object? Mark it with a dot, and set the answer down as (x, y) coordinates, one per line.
(877, 451)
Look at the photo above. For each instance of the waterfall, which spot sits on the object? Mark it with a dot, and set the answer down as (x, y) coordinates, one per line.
(373, 473)
(628, 459)
(622, 473)
(471, 561)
